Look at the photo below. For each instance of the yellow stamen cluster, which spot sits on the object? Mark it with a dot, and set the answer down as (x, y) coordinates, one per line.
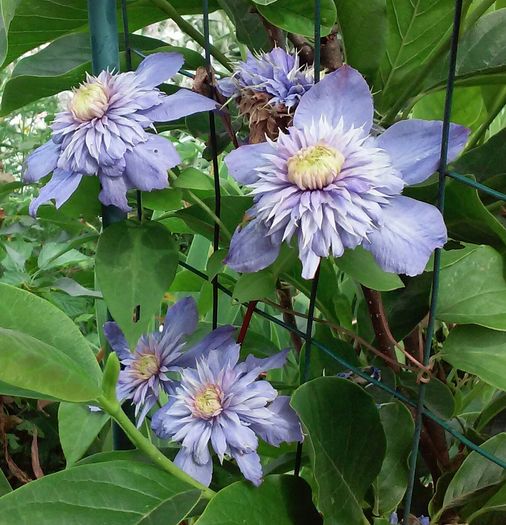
(207, 403)
(315, 167)
(90, 101)
(146, 366)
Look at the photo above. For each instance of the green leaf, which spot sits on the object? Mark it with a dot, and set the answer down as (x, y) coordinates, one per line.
(475, 474)
(162, 200)
(348, 445)
(415, 29)
(473, 290)
(251, 286)
(481, 53)
(487, 160)
(468, 219)
(297, 16)
(491, 512)
(248, 26)
(5, 486)
(392, 480)
(280, 500)
(194, 179)
(78, 427)
(479, 351)
(7, 9)
(39, 21)
(114, 492)
(361, 266)
(49, 358)
(135, 265)
(469, 108)
(63, 64)
(364, 32)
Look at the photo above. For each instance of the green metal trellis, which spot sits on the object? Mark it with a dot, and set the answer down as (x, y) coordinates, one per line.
(104, 38)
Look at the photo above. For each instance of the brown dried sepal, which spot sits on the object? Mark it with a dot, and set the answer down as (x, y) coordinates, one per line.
(264, 119)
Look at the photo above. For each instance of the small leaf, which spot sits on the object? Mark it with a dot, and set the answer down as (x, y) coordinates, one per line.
(297, 16)
(78, 427)
(135, 265)
(279, 500)
(251, 286)
(361, 266)
(193, 179)
(348, 445)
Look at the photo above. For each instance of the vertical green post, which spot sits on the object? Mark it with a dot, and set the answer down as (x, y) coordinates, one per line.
(105, 55)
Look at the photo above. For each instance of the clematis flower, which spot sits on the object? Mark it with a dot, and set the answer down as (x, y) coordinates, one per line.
(144, 371)
(331, 185)
(221, 403)
(103, 133)
(268, 87)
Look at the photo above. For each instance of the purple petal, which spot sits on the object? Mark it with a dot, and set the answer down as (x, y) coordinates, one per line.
(181, 318)
(147, 163)
(158, 68)
(218, 338)
(412, 230)
(117, 340)
(181, 104)
(41, 161)
(341, 94)
(414, 146)
(250, 466)
(251, 248)
(113, 192)
(203, 473)
(61, 186)
(284, 425)
(243, 162)
(262, 365)
(141, 411)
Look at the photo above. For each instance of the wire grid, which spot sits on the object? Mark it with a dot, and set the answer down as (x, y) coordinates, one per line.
(420, 410)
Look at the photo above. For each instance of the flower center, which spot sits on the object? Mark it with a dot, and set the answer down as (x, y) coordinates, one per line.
(207, 403)
(315, 167)
(146, 366)
(90, 101)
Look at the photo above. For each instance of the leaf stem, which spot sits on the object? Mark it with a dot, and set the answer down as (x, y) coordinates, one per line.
(113, 408)
(187, 28)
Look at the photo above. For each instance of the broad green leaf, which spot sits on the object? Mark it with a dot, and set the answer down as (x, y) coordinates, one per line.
(7, 9)
(249, 28)
(491, 512)
(251, 286)
(414, 30)
(78, 427)
(5, 486)
(193, 179)
(39, 21)
(114, 492)
(467, 218)
(491, 410)
(162, 200)
(63, 64)
(479, 351)
(392, 480)
(360, 265)
(297, 16)
(280, 500)
(475, 474)
(485, 161)
(473, 290)
(348, 445)
(481, 53)
(49, 357)
(364, 32)
(469, 108)
(135, 265)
